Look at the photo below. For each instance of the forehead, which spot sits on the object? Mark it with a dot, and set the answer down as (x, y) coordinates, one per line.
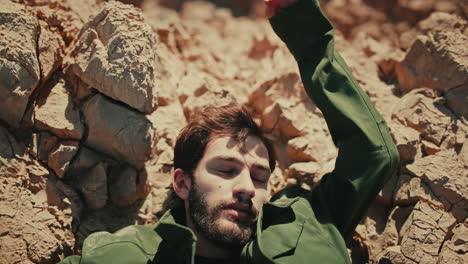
(252, 148)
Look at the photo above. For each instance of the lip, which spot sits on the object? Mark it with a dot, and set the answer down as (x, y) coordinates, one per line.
(240, 211)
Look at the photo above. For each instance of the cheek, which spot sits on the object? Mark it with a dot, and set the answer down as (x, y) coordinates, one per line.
(261, 196)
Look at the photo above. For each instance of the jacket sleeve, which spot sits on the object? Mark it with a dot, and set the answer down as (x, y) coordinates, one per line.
(367, 155)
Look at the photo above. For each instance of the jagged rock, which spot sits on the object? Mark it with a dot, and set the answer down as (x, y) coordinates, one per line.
(304, 172)
(435, 61)
(444, 174)
(440, 21)
(424, 232)
(315, 146)
(118, 131)
(92, 184)
(64, 16)
(118, 44)
(410, 190)
(55, 111)
(126, 186)
(457, 100)
(168, 121)
(286, 87)
(393, 255)
(60, 157)
(407, 141)
(421, 111)
(19, 66)
(86, 158)
(280, 116)
(193, 104)
(32, 231)
(63, 196)
(47, 142)
(380, 228)
(454, 250)
(50, 48)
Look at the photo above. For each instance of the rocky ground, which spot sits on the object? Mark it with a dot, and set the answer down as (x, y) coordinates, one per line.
(93, 95)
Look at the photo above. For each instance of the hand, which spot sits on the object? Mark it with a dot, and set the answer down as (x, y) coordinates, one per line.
(274, 5)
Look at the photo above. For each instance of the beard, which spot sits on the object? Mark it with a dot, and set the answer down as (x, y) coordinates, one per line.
(205, 220)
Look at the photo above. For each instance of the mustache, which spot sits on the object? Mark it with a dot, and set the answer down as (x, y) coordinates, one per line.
(244, 205)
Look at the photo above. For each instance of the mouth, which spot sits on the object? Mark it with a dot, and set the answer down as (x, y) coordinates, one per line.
(239, 211)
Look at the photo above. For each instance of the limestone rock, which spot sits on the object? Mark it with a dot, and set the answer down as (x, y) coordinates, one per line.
(64, 16)
(168, 121)
(56, 112)
(410, 190)
(441, 21)
(457, 100)
(420, 111)
(286, 87)
(436, 61)
(50, 48)
(92, 184)
(454, 250)
(118, 131)
(424, 232)
(117, 43)
(86, 158)
(393, 255)
(47, 142)
(407, 141)
(19, 66)
(281, 117)
(32, 231)
(125, 186)
(444, 174)
(60, 157)
(304, 172)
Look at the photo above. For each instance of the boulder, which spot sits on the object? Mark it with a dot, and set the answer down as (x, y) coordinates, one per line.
(422, 110)
(50, 48)
(424, 232)
(304, 172)
(444, 174)
(436, 61)
(32, 230)
(410, 190)
(61, 155)
(125, 186)
(55, 111)
(407, 141)
(454, 249)
(119, 131)
(19, 66)
(47, 142)
(92, 184)
(115, 54)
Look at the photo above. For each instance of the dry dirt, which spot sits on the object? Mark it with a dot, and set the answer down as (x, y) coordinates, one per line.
(93, 95)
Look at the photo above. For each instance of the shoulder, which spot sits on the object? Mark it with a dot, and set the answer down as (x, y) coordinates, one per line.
(132, 244)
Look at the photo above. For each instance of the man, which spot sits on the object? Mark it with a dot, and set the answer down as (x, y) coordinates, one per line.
(223, 162)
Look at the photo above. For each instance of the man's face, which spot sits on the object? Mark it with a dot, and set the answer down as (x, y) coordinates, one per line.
(229, 187)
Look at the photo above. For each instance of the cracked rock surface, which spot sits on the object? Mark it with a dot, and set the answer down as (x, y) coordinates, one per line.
(93, 94)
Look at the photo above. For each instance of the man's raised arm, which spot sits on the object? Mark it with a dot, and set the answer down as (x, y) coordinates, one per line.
(367, 155)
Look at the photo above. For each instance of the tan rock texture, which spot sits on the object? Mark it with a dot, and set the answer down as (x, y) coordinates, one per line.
(93, 94)
(117, 43)
(19, 65)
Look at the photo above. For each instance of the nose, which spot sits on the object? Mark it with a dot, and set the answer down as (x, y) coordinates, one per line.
(244, 190)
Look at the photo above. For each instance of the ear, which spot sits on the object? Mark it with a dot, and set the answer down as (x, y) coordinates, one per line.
(181, 183)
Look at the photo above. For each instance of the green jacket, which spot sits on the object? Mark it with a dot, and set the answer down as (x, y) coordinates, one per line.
(296, 226)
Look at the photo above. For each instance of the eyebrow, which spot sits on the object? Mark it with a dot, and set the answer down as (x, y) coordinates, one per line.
(236, 160)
